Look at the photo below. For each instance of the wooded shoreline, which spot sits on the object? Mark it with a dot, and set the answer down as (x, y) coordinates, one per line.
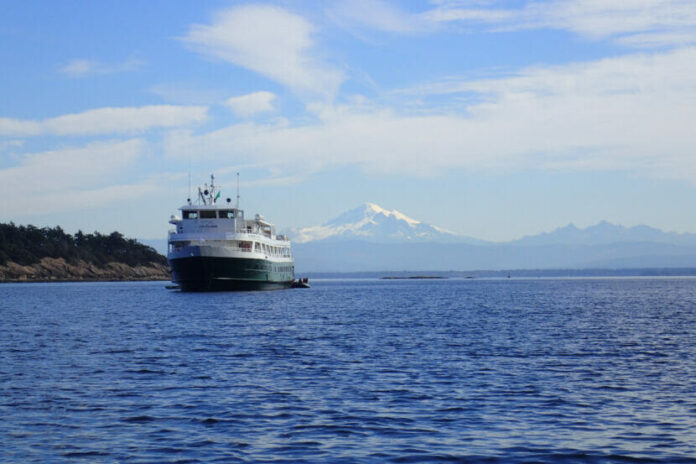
(32, 254)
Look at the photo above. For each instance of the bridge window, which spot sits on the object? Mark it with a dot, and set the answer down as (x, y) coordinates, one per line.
(226, 214)
(208, 215)
(190, 214)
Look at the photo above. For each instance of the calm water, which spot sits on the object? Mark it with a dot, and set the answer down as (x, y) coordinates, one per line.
(351, 371)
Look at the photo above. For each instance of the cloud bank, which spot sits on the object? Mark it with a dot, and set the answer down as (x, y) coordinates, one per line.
(70, 178)
(630, 113)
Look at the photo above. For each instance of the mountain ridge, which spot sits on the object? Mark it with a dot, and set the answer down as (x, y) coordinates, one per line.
(370, 238)
(371, 222)
(605, 232)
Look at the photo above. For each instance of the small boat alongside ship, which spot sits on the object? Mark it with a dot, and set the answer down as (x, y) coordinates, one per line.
(301, 283)
(214, 247)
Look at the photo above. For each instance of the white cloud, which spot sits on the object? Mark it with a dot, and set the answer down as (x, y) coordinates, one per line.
(69, 178)
(251, 104)
(468, 14)
(8, 144)
(633, 113)
(18, 127)
(82, 67)
(629, 22)
(186, 93)
(76, 199)
(375, 14)
(107, 121)
(270, 41)
(658, 40)
(635, 23)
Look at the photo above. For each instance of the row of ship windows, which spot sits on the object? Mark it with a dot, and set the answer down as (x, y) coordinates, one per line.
(268, 249)
(209, 214)
(242, 246)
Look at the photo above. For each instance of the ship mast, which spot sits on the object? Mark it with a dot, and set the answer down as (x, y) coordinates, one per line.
(207, 196)
(212, 189)
(237, 191)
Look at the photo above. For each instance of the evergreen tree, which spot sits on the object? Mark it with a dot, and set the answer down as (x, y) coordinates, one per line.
(29, 244)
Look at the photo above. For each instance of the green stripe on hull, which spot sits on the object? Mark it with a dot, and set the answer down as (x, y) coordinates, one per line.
(203, 273)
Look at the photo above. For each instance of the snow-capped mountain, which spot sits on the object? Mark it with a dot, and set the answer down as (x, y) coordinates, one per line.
(370, 222)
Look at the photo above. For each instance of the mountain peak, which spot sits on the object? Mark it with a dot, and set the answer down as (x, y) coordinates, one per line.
(370, 212)
(373, 207)
(374, 223)
(376, 209)
(606, 225)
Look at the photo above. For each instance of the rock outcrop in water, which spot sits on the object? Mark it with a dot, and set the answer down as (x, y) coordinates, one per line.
(28, 253)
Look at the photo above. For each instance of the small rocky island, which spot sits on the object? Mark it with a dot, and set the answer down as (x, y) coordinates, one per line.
(32, 254)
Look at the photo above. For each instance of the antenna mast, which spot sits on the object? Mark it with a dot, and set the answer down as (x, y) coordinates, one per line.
(213, 197)
(237, 190)
(189, 179)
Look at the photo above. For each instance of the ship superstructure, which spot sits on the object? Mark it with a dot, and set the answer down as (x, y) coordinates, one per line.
(214, 247)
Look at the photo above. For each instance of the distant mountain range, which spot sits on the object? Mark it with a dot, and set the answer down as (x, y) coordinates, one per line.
(606, 233)
(371, 238)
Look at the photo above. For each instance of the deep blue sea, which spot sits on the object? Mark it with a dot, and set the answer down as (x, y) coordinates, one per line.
(508, 370)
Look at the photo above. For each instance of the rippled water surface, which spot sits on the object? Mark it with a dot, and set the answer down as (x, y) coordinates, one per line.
(596, 370)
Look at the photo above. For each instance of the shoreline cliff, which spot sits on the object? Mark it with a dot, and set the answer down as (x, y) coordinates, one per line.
(59, 270)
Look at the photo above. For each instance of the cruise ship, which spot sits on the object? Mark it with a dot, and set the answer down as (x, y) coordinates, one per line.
(214, 248)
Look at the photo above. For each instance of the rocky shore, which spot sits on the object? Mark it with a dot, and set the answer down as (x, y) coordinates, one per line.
(59, 270)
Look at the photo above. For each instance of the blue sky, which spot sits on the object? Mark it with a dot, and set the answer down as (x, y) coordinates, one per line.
(494, 119)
